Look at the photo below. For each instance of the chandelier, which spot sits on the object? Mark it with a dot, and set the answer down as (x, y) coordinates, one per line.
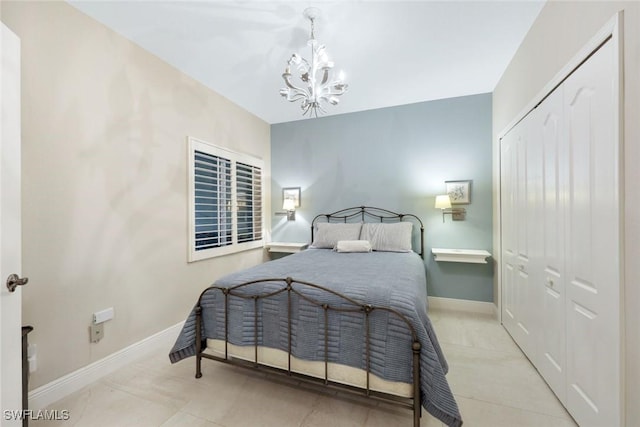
(318, 86)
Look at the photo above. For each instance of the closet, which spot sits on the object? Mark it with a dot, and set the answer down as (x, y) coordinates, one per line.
(561, 238)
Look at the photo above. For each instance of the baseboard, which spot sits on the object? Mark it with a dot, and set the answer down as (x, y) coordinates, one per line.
(464, 305)
(47, 394)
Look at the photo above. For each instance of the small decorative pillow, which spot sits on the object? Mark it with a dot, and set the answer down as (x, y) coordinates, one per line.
(395, 237)
(353, 246)
(328, 234)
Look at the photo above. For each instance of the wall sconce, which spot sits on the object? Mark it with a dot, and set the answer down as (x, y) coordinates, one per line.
(444, 202)
(289, 205)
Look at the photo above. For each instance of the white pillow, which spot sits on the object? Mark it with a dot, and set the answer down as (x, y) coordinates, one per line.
(395, 237)
(328, 234)
(353, 246)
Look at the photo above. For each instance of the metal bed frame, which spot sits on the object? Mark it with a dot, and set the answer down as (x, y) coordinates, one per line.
(293, 289)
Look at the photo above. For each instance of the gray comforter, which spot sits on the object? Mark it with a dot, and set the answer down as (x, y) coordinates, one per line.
(386, 279)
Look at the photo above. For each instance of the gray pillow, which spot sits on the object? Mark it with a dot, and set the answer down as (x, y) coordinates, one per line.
(395, 237)
(328, 234)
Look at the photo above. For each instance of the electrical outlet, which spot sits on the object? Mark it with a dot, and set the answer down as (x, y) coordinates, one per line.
(32, 357)
(96, 332)
(33, 364)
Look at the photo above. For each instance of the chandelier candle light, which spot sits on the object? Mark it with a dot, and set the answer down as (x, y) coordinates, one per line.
(319, 86)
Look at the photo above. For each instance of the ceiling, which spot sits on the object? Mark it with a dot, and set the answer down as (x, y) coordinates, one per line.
(392, 52)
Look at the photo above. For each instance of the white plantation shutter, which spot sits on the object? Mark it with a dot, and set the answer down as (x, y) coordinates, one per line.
(249, 198)
(212, 186)
(225, 204)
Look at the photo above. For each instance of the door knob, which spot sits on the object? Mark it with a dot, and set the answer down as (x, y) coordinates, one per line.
(13, 281)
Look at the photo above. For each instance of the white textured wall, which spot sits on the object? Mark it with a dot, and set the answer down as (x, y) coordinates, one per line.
(560, 31)
(104, 128)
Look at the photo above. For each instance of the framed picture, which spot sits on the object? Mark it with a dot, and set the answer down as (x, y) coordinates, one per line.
(292, 193)
(459, 192)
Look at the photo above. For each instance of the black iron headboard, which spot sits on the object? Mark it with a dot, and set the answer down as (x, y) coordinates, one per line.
(364, 213)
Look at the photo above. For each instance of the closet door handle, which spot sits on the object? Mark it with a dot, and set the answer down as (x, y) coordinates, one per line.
(550, 282)
(521, 267)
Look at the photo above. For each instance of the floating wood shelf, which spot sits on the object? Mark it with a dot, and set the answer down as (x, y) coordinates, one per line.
(473, 256)
(286, 247)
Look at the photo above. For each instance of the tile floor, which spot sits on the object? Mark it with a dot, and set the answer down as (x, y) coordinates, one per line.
(494, 384)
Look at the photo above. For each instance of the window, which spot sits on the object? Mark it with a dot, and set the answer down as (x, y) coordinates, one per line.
(225, 203)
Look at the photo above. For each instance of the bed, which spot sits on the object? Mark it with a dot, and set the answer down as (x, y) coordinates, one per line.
(348, 313)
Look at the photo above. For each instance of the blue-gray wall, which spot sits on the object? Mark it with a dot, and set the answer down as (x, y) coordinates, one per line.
(396, 158)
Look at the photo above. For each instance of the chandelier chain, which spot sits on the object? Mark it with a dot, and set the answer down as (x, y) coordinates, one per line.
(313, 36)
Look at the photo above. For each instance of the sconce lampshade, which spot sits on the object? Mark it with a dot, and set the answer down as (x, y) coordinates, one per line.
(443, 202)
(288, 205)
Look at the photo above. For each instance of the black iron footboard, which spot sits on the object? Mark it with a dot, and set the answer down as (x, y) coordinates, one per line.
(292, 288)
